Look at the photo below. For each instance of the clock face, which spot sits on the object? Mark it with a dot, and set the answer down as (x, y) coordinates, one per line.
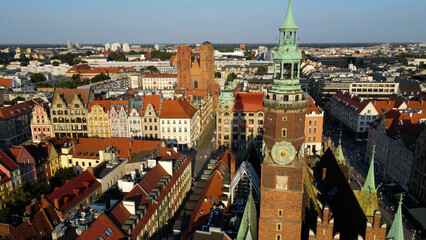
(283, 153)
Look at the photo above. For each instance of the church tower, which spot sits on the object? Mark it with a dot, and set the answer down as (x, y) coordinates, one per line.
(283, 167)
(183, 57)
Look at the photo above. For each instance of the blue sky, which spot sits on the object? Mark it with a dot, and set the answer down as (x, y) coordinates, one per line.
(218, 21)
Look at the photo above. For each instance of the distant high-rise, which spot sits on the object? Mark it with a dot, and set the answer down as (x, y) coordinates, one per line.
(115, 46)
(69, 44)
(107, 46)
(126, 47)
(77, 45)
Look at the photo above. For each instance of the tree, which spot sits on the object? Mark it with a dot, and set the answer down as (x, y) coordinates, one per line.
(61, 176)
(99, 77)
(13, 101)
(217, 75)
(357, 51)
(401, 70)
(89, 53)
(423, 66)
(3, 68)
(230, 78)
(55, 63)
(161, 55)
(37, 77)
(152, 69)
(262, 70)
(117, 57)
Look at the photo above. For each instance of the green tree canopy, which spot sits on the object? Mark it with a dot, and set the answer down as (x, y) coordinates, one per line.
(217, 75)
(161, 55)
(151, 69)
(61, 176)
(37, 77)
(230, 78)
(55, 63)
(262, 70)
(117, 57)
(89, 53)
(99, 77)
(67, 58)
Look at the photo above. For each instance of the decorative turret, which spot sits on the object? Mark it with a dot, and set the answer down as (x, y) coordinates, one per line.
(367, 196)
(340, 158)
(396, 231)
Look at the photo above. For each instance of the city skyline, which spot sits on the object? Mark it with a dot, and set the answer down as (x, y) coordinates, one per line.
(188, 21)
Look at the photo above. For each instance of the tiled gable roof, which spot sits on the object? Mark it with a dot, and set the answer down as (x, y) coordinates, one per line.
(85, 183)
(180, 108)
(68, 95)
(99, 226)
(6, 82)
(7, 162)
(248, 102)
(312, 107)
(353, 102)
(16, 110)
(155, 100)
(105, 104)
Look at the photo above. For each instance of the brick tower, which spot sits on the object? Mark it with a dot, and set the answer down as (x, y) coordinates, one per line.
(207, 66)
(184, 67)
(283, 167)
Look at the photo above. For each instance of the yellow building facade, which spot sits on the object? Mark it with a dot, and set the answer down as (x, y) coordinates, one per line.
(98, 116)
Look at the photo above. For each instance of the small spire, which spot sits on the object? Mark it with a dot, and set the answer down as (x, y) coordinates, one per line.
(339, 152)
(289, 21)
(370, 184)
(396, 231)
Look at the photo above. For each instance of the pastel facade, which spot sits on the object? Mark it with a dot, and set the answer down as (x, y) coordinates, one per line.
(41, 126)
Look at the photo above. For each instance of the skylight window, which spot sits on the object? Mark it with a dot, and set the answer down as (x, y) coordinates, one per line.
(108, 232)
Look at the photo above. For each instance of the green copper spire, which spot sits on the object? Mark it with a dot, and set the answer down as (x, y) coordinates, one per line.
(339, 152)
(370, 184)
(289, 21)
(396, 232)
(248, 226)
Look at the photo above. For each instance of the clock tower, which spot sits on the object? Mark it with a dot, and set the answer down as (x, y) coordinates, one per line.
(283, 166)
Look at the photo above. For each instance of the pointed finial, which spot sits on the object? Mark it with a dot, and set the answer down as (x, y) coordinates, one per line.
(340, 138)
(289, 21)
(400, 199)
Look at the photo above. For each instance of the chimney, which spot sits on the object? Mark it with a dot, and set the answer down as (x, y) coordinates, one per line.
(326, 215)
(91, 171)
(377, 219)
(56, 203)
(324, 173)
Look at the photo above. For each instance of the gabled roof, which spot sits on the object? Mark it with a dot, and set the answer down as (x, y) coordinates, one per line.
(74, 191)
(98, 229)
(89, 147)
(7, 162)
(155, 100)
(178, 108)
(248, 102)
(312, 107)
(353, 102)
(385, 106)
(68, 95)
(119, 104)
(16, 110)
(6, 82)
(105, 104)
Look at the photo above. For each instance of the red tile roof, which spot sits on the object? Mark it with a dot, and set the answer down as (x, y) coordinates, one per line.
(248, 102)
(118, 104)
(67, 195)
(197, 92)
(352, 100)
(155, 100)
(103, 103)
(7, 162)
(179, 108)
(6, 82)
(4, 177)
(160, 75)
(384, 106)
(17, 109)
(98, 227)
(68, 95)
(82, 69)
(124, 145)
(312, 107)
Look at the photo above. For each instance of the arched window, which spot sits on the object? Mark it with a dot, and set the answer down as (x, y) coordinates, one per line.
(184, 55)
(196, 84)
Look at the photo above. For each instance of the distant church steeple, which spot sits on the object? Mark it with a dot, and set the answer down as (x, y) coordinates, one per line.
(338, 154)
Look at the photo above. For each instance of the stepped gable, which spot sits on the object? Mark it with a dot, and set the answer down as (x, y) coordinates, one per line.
(336, 192)
(68, 95)
(248, 102)
(74, 191)
(155, 100)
